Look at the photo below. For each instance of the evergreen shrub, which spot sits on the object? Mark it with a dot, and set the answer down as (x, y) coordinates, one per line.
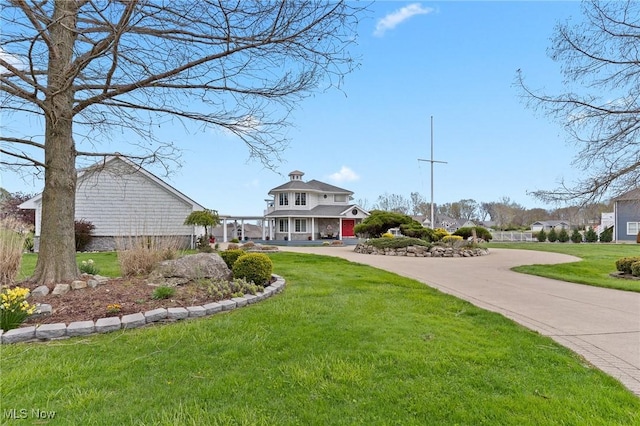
(624, 264)
(541, 236)
(230, 256)
(552, 236)
(467, 232)
(607, 235)
(254, 267)
(590, 236)
(576, 236)
(563, 236)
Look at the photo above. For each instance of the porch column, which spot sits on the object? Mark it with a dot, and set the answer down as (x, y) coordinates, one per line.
(224, 230)
(289, 229)
(263, 228)
(242, 229)
(313, 229)
(340, 230)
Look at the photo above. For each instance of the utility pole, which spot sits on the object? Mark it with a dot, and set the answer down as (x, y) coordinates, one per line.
(432, 161)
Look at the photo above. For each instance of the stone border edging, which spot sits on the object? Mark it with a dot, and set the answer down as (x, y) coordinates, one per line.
(421, 251)
(44, 332)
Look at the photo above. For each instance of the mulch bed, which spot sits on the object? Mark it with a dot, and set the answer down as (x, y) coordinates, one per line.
(132, 294)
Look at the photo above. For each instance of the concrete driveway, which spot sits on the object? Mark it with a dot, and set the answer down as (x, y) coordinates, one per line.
(602, 325)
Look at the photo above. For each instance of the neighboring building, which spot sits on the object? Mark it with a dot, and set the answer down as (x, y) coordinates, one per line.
(626, 210)
(123, 200)
(311, 210)
(240, 230)
(547, 225)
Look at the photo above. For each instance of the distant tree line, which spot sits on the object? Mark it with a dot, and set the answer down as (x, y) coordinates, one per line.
(504, 213)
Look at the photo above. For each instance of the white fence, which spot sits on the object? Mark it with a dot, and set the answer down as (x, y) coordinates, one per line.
(512, 236)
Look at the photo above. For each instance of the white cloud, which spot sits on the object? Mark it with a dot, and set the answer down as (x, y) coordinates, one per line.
(397, 17)
(344, 175)
(11, 60)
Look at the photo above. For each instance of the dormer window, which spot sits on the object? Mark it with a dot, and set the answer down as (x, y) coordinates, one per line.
(283, 199)
(301, 198)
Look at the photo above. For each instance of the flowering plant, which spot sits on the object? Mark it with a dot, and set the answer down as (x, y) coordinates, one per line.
(114, 308)
(88, 267)
(14, 308)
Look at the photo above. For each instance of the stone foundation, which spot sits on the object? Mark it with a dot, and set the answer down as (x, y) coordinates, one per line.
(422, 251)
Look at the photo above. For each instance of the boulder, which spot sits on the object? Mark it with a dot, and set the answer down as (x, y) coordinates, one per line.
(190, 268)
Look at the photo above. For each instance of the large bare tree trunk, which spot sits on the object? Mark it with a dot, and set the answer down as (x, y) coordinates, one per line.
(56, 260)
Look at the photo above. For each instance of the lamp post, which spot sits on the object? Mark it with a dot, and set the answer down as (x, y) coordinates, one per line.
(432, 161)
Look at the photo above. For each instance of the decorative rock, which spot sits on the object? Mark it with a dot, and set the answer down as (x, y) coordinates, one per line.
(228, 305)
(177, 313)
(93, 283)
(133, 320)
(212, 308)
(78, 284)
(155, 315)
(40, 291)
(80, 328)
(105, 325)
(51, 331)
(192, 267)
(42, 309)
(422, 251)
(240, 301)
(61, 289)
(101, 280)
(196, 311)
(19, 335)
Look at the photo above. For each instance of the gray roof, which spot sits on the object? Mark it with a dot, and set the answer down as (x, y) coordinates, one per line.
(633, 195)
(311, 186)
(318, 211)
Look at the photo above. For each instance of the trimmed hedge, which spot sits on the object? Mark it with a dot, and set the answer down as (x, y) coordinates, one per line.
(254, 267)
(467, 232)
(398, 242)
(624, 264)
(230, 256)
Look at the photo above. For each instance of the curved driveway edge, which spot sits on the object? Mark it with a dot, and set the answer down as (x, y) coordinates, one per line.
(602, 325)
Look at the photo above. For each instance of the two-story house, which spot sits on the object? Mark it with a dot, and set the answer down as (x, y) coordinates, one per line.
(626, 210)
(311, 210)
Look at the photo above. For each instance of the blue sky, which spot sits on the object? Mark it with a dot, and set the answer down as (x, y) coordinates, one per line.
(455, 61)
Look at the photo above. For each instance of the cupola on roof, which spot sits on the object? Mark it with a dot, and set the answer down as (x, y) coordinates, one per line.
(296, 175)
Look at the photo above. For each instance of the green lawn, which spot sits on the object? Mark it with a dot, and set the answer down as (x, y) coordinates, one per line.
(343, 344)
(598, 261)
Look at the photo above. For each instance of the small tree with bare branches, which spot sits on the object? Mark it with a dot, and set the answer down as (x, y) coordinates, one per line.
(600, 108)
(84, 70)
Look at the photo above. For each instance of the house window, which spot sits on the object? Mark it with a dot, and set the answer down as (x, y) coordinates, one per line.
(300, 225)
(284, 199)
(283, 225)
(339, 198)
(301, 198)
(633, 228)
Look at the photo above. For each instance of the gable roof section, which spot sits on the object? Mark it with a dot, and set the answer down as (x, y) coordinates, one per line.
(97, 167)
(318, 211)
(633, 195)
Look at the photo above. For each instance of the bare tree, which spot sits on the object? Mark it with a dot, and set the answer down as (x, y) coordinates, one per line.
(600, 108)
(87, 70)
(392, 203)
(419, 205)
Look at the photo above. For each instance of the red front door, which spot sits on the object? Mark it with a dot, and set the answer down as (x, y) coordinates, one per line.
(347, 227)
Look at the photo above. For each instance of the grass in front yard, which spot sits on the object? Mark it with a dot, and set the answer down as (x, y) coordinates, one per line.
(344, 344)
(598, 261)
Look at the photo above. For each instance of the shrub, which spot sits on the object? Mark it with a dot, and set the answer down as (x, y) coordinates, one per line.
(541, 236)
(576, 236)
(452, 239)
(248, 245)
(624, 264)
(230, 256)
(552, 236)
(590, 236)
(29, 242)
(253, 267)
(439, 234)
(202, 244)
(223, 289)
(606, 236)
(467, 232)
(635, 269)
(388, 235)
(379, 222)
(563, 236)
(399, 242)
(11, 243)
(84, 234)
(416, 230)
(163, 292)
(235, 240)
(14, 308)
